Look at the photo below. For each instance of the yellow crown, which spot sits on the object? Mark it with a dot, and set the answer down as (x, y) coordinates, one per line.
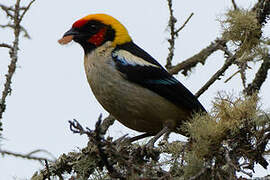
(121, 33)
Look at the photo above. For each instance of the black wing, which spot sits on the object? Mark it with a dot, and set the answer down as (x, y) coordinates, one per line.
(139, 67)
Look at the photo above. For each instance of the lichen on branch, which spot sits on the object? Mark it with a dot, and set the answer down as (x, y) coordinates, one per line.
(235, 129)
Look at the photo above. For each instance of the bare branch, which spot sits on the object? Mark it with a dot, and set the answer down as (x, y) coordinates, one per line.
(201, 57)
(24, 156)
(234, 5)
(7, 10)
(17, 28)
(6, 45)
(26, 34)
(25, 10)
(217, 75)
(41, 151)
(260, 76)
(22, 29)
(171, 41)
(177, 31)
(173, 33)
(228, 79)
(7, 26)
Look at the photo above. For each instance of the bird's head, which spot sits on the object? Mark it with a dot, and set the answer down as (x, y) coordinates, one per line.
(94, 30)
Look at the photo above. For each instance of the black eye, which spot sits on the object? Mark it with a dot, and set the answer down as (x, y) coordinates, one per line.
(93, 27)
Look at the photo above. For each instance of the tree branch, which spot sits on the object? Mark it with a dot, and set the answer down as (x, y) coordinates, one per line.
(25, 10)
(171, 41)
(106, 123)
(177, 31)
(5, 45)
(201, 57)
(260, 76)
(234, 5)
(7, 10)
(263, 11)
(217, 75)
(17, 29)
(173, 33)
(24, 156)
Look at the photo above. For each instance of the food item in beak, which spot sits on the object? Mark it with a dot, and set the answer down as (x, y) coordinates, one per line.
(65, 40)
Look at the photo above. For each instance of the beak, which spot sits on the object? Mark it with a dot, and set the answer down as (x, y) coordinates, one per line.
(72, 32)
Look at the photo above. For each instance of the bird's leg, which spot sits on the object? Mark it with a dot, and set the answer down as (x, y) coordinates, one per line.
(151, 143)
(144, 135)
(130, 140)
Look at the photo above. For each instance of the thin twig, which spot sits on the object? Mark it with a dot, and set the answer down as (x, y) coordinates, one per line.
(17, 29)
(5, 45)
(200, 57)
(234, 5)
(24, 156)
(41, 151)
(177, 31)
(229, 78)
(7, 10)
(25, 10)
(12, 26)
(99, 141)
(217, 75)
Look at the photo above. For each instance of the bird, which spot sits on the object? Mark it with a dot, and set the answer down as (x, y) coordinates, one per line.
(128, 82)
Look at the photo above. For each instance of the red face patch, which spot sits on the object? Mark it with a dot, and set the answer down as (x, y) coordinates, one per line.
(98, 38)
(80, 23)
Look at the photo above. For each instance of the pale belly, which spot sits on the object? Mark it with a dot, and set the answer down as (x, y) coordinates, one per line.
(134, 106)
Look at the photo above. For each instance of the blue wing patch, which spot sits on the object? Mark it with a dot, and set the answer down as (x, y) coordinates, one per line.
(139, 67)
(167, 81)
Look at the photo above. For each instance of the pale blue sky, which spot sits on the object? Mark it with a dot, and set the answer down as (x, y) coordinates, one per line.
(50, 87)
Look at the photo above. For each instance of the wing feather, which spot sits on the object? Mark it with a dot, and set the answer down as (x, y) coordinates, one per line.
(139, 67)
